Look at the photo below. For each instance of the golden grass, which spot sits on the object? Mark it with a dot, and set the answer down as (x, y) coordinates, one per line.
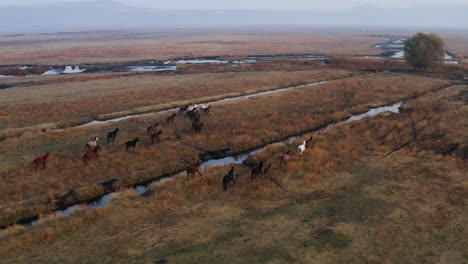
(238, 125)
(61, 103)
(341, 203)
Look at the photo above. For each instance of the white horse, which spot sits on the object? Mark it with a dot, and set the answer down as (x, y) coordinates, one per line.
(205, 108)
(301, 148)
(190, 108)
(92, 144)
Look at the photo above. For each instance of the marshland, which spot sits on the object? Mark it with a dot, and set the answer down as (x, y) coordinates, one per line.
(240, 144)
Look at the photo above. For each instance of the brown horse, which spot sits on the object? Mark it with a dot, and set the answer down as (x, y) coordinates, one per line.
(171, 118)
(156, 137)
(285, 158)
(41, 161)
(194, 170)
(309, 142)
(152, 128)
(183, 109)
(91, 155)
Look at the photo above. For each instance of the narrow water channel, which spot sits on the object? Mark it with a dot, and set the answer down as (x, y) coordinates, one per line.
(140, 190)
(118, 119)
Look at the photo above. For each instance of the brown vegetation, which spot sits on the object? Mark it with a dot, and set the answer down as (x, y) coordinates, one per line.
(56, 102)
(238, 125)
(345, 200)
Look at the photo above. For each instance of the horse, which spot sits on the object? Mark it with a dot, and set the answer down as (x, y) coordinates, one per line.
(194, 170)
(91, 144)
(197, 127)
(152, 128)
(192, 114)
(256, 171)
(41, 161)
(156, 137)
(266, 169)
(192, 108)
(205, 108)
(112, 135)
(285, 158)
(229, 179)
(91, 155)
(309, 142)
(171, 118)
(301, 148)
(131, 144)
(183, 109)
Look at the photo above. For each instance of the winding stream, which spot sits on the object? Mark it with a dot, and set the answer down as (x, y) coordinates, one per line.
(118, 119)
(142, 189)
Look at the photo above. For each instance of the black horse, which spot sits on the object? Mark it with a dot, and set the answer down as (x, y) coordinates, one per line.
(229, 179)
(131, 144)
(256, 170)
(112, 135)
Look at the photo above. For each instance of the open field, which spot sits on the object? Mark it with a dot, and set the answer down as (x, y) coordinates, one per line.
(390, 189)
(78, 47)
(238, 125)
(80, 98)
(112, 46)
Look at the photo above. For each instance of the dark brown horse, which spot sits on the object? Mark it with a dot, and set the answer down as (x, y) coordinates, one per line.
(183, 109)
(309, 142)
(91, 155)
(156, 137)
(256, 171)
(193, 114)
(197, 127)
(194, 170)
(131, 144)
(152, 128)
(112, 135)
(229, 179)
(41, 161)
(171, 118)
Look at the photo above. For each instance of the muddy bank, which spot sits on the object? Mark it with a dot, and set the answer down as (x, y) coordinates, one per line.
(170, 65)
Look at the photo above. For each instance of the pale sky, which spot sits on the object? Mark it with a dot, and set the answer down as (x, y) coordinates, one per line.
(257, 4)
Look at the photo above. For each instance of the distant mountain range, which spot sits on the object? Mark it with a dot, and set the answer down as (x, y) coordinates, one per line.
(107, 14)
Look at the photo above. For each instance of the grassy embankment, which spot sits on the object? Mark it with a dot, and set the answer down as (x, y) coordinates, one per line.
(390, 189)
(238, 125)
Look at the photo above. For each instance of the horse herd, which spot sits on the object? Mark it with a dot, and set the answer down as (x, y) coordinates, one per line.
(256, 169)
(92, 148)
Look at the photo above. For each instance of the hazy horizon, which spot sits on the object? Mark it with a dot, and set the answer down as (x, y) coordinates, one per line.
(292, 5)
(111, 14)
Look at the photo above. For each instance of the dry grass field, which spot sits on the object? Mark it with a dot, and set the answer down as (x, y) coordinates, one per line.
(78, 47)
(389, 189)
(111, 46)
(81, 99)
(238, 125)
